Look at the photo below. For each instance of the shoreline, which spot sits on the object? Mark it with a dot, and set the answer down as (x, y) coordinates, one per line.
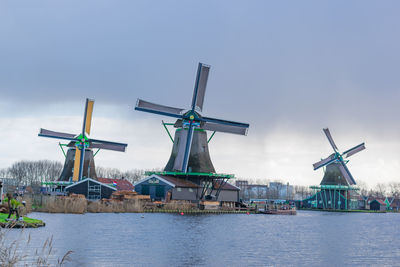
(354, 211)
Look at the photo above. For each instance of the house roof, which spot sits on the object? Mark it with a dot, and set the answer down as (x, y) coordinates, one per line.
(178, 182)
(160, 177)
(122, 184)
(90, 179)
(228, 186)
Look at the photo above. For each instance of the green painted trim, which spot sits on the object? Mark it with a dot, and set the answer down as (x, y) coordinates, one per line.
(340, 187)
(211, 137)
(196, 129)
(56, 183)
(165, 127)
(96, 152)
(62, 149)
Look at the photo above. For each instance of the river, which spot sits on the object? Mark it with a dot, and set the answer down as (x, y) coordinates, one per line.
(307, 239)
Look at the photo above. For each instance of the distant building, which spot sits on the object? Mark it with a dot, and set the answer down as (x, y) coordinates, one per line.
(275, 190)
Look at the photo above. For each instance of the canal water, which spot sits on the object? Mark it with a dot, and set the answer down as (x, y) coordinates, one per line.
(307, 239)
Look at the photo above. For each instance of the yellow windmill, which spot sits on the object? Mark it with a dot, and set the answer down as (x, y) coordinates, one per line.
(82, 141)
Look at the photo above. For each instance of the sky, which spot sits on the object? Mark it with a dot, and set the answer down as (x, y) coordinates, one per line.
(289, 68)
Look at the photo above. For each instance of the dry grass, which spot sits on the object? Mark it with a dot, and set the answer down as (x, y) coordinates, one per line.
(108, 206)
(179, 205)
(12, 252)
(61, 204)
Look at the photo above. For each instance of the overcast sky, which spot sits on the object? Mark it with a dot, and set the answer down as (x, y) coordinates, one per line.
(289, 68)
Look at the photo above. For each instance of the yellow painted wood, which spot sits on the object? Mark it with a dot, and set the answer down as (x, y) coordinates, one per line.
(89, 111)
(75, 177)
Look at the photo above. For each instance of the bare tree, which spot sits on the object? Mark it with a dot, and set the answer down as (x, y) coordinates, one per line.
(394, 189)
(363, 188)
(380, 190)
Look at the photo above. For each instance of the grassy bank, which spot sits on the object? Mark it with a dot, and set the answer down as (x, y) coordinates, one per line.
(25, 223)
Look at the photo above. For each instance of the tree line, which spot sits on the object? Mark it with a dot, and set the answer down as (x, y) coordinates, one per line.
(28, 173)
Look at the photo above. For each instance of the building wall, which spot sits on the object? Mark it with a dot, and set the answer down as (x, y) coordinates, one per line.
(183, 193)
(228, 195)
(81, 189)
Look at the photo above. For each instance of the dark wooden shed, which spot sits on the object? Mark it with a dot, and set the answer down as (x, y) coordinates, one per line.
(377, 204)
(155, 186)
(91, 189)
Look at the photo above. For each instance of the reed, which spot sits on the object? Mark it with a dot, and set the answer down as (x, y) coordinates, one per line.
(13, 252)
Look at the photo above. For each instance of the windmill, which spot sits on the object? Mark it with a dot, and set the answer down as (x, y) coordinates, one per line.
(190, 149)
(337, 163)
(337, 183)
(81, 146)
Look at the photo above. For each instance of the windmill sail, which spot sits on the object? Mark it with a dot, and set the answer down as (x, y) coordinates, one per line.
(146, 106)
(200, 87)
(211, 126)
(324, 162)
(77, 165)
(59, 135)
(178, 165)
(109, 146)
(346, 173)
(329, 136)
(353, 150)
(88, 115)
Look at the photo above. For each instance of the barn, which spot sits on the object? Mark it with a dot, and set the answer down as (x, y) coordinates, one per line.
(91, 189)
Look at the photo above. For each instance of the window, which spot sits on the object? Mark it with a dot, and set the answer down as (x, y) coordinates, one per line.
(94, 188)
(178, 189)
(190, 190)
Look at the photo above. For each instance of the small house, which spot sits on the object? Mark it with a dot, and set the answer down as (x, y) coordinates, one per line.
(377, 204)
(91, 189)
